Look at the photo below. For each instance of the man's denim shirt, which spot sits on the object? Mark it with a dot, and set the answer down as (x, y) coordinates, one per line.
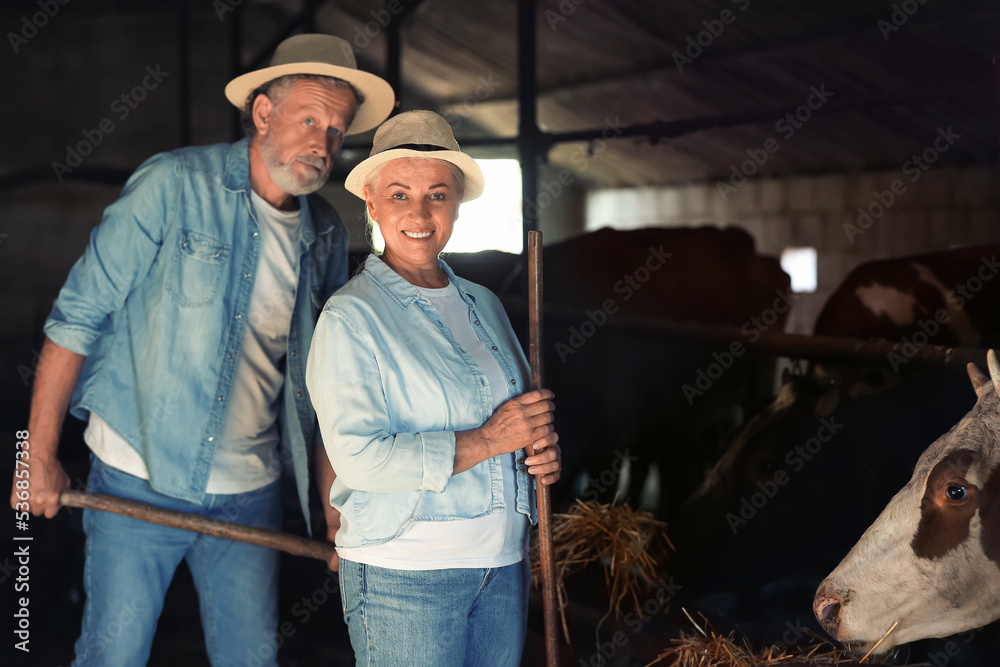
(391, 386)
(159, 303)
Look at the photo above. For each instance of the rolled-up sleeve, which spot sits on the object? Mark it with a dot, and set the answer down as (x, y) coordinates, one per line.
(344, 383)
(119, 254)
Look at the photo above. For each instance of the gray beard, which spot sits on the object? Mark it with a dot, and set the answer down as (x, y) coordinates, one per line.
(283, 175)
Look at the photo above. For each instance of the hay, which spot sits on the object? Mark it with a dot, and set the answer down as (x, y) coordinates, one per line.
(710, 649)
(626, 541)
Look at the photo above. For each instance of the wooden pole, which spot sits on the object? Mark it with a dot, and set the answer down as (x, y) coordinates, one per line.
(273, 539)
(541, 491)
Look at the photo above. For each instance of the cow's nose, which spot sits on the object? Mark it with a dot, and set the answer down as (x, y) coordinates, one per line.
(827, 606)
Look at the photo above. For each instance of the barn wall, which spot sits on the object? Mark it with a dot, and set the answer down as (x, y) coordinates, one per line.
(943, 208)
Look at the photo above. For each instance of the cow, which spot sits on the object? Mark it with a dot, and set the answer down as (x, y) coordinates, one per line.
(632, 401)
(940, 298)
(929, 566)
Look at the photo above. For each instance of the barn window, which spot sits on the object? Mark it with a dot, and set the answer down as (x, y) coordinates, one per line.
(491, 222)
(800, 264)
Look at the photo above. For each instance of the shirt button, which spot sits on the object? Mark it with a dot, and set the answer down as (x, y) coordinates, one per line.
(299, 394)
(255, 234)
(494, 348)
(513, 381)
(246, 275)
(294, 353)
(476, 323)
(238, 316)
(222, 398)
(211, 438)
(229, 356)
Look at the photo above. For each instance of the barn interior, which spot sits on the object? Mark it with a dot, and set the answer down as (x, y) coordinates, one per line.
(770, 147)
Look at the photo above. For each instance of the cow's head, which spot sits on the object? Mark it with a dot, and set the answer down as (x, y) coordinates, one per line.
(931, 561)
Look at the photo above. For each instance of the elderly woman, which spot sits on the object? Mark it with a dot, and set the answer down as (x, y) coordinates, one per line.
(420, 386)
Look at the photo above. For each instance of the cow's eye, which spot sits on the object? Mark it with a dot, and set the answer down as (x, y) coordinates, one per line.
(957, 492)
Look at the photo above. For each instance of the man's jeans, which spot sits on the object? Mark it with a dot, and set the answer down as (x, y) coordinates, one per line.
(129, 565)
(435, 618)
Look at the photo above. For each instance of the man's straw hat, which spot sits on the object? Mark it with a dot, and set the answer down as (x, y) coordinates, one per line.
(328, 56)
(420, 134)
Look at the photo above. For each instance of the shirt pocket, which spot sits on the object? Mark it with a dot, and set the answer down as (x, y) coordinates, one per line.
(196, 269)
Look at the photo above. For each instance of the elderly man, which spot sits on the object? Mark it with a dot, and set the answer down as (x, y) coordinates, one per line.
(182, 335)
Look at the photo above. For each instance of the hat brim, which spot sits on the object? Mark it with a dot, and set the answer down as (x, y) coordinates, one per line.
(474, 182)
(379, 98)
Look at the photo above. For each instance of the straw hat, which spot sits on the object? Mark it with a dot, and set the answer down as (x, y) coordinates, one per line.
(328, 56)
(421, 134)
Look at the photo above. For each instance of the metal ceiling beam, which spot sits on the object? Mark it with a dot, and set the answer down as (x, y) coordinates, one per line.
(666, 66)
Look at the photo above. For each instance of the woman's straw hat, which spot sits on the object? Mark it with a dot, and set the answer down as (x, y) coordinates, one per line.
(420, 134)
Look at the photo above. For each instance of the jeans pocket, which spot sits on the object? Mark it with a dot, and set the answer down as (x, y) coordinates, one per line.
(196, 269)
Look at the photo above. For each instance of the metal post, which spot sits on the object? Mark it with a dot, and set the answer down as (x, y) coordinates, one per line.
(184, 62)
(529, 147)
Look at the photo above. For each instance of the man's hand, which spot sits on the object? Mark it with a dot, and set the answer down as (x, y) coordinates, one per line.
(57, 373)
(331, 536)
(47, 482)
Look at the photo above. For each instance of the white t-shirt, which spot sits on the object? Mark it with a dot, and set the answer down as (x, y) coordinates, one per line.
(246, 457)
(494, 540)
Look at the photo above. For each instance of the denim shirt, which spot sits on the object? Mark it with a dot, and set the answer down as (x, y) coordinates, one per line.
(391, 386)
(158, 303)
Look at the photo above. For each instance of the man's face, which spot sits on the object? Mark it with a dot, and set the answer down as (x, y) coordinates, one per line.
(302, 135)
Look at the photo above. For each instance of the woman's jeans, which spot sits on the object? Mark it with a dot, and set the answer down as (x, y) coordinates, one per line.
(435, 618)
(129, 565)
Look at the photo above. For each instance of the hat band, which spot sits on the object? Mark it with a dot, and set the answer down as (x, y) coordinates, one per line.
(419, 147)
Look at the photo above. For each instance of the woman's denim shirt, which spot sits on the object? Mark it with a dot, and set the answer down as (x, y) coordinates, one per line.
(159, 301)
(391, 386)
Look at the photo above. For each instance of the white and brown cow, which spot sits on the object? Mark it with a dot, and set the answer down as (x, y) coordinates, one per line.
(931, 561)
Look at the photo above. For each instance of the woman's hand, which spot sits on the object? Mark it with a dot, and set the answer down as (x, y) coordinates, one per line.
(547, 463)
(522, 422)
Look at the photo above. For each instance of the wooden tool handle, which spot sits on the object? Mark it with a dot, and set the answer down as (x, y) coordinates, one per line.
(547, 558)
(273, 539)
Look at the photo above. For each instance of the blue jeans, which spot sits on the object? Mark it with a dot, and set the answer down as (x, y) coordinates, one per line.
(129, 565)
(435, 618)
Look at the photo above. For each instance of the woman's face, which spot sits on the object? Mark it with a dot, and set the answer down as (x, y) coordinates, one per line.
(415, 205)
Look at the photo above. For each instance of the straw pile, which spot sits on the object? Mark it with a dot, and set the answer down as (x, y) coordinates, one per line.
(710, 649)
(719, 651)
(626, 541)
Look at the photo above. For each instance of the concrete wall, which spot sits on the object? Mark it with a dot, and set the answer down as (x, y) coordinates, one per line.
(941, 209)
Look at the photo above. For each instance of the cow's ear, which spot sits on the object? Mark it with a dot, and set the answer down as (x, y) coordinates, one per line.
(991, 361)
(827, 403)
(980, 382)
